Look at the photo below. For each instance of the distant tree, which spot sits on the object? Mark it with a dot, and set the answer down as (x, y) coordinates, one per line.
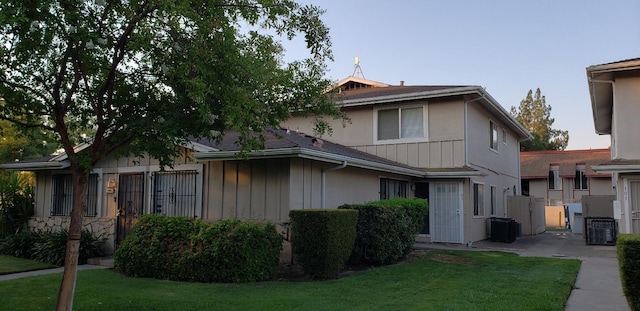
(143, 75)
(20, 144)
(535, 115)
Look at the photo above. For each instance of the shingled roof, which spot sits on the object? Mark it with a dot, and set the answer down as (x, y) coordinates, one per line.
(535, 164)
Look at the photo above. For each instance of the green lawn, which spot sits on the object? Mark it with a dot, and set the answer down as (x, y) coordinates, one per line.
(439, 280)
(10, 264)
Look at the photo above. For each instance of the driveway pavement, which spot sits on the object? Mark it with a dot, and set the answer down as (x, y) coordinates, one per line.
(598, 285)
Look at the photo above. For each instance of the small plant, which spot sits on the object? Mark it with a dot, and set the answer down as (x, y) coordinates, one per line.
(20, 244)
(52, 247)
(16, 202)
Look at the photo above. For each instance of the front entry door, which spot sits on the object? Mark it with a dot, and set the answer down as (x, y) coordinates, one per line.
(130, 203)
(445, 212)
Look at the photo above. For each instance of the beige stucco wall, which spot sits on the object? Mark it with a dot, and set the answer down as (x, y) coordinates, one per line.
(597, 186)
(625, 127)
(357, 131)
(444, 146)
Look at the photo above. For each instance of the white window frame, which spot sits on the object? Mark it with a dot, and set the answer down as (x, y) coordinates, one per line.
(493, 135)
(504, 136)
(425, 125)
(581, 178)
(493, 195)
(478, 199)
(557, 181)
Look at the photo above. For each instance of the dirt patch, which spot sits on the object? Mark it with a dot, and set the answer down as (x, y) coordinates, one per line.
(446, 258)
(295, 273)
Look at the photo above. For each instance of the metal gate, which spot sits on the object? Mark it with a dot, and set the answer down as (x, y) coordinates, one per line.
(634, 204)
(130, 203)
(174, 193)
(445, 212)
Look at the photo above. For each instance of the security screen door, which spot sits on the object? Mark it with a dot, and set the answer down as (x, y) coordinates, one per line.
(445, 212)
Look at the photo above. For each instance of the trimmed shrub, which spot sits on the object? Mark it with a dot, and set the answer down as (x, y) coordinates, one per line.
(415, 208)
(628, 246)
(323, 239)
(386, 229)
(183, 249)
(50, 247)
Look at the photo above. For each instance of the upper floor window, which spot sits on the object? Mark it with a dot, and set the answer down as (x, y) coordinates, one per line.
(478, 199)
(504, 136)
(62, 195)
(392, 188)
(400, 123)
(581, 177)
(555, 183)
(493, 134)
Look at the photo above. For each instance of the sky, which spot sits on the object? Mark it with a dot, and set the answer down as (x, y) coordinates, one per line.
(507, 47)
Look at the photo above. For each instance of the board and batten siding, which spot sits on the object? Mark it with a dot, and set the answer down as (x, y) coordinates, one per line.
(256, 189)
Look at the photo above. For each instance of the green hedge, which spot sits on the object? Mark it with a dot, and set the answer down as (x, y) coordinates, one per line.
(179, 248)
(386, 229)
(50, 247)
(628, 246)
(323, 239)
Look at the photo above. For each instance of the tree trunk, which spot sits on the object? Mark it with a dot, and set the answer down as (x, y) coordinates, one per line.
(68, 285)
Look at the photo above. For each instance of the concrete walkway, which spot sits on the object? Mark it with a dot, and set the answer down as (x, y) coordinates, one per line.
(20, 275)
(598, 285)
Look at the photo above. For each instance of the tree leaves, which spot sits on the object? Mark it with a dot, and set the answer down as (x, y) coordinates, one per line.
(535, 115)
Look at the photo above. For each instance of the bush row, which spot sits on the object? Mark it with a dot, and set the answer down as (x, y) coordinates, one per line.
(386, 229)
(323, 239)
(628, 246)
(49, 247)
(179, 248)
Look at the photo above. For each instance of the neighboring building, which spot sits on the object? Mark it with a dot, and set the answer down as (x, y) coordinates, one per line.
(453, 145)
(615, 101)
(563, 177)
(464, 141)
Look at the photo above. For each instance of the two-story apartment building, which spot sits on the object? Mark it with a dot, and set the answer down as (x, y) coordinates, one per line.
(615, 101)
(466, 143)
(563, 177)
(453, 145)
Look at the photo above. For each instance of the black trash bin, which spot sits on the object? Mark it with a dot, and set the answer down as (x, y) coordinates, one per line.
(504, 229)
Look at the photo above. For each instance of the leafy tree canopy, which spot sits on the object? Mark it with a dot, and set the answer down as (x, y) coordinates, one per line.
(535, 115)
(19, 144)
(143, 75)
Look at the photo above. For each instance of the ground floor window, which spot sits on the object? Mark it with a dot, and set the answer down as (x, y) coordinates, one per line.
(62, 195)
(174, 193)
(392, 188)
(478, 199)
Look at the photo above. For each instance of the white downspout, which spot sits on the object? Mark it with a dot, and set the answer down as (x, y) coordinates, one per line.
(323, 187)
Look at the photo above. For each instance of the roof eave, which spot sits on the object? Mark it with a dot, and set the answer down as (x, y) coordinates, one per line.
(35, 166)
(309, 154)
(617, 168)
